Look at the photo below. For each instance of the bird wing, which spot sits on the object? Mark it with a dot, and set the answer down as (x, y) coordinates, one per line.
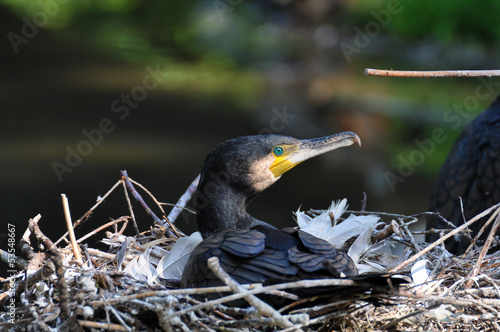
(243, 254)
(318, 255)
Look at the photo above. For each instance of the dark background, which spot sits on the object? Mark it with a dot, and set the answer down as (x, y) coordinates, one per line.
(231, 68)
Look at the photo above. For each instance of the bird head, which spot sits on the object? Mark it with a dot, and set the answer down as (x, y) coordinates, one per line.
(253, 163)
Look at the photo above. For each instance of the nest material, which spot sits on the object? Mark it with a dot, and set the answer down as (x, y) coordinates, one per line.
(55, 288)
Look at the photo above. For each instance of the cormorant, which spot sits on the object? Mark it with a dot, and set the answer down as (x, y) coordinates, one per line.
(250, 250)
(472, 172)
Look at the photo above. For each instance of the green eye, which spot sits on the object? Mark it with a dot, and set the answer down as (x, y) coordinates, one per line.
(278, 151)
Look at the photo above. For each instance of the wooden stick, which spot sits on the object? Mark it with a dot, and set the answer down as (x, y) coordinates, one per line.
(9, 258)
(90, 211)
(490, 219)
(61, 284)
(103, 255)
(103, 326)
(25, 244)
(130, 209)
(431, 73)
(161, 222)
(444, 238)
(185, 198)
(40, 237)
(95, 231)
(149, 193)
(71, 231)
(264, 308)
(484, 251)
(252, 289)
(139, 199)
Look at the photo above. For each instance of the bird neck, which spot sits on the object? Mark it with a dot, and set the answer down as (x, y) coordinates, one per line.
(221, 207)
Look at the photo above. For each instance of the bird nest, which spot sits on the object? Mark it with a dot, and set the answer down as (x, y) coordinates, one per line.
(66, 285)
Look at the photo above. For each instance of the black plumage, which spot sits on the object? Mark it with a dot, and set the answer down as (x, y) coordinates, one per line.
(472, 172)
(248, 249)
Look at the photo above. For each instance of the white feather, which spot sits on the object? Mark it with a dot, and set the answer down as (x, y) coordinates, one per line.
(141, 268)
(172, 264)
(419, 272)
(330, 230)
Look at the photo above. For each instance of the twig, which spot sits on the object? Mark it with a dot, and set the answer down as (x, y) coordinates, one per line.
(363, 201)
(444, 238)
(71, 231)
(264, 308)
(25, 245)
(8, 258)
(129, 204)
(90, 211)
(139, 199)
(117, 315)
(40, 237)
(160, 206)
(61, 285)
(432, 231)
(124, 226)
(103, 326)
(407, 231)
(484, 250)
(149, 193)
(388, 230)
(487, 304)
(229, 298)
(185, 198)
(103, 255)
(437, 215)
(43, 273)
(164, 293)
(263, 322)
(95, 231)
(396, 320)
(431, 73)
(323, 319)
(469, 248)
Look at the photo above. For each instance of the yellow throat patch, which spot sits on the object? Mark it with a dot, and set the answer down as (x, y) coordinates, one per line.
(282, 163)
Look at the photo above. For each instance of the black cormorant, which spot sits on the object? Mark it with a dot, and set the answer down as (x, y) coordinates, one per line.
(471, 171)
(250, 250)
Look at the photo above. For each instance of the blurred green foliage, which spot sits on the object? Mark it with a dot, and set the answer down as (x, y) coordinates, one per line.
(445, 21)
(222, 49)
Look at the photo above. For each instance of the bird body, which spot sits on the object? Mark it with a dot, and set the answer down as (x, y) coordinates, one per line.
(472, 172)
(250, 250)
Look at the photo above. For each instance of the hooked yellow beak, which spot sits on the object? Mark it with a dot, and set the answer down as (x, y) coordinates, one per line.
(288, 156)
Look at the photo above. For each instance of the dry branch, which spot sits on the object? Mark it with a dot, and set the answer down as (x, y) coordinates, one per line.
(185, 198)
(444, 238)
(431, 73)
(101, 296)
(71, 231)
(264, 308)
(484, 250)
(87, 214)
